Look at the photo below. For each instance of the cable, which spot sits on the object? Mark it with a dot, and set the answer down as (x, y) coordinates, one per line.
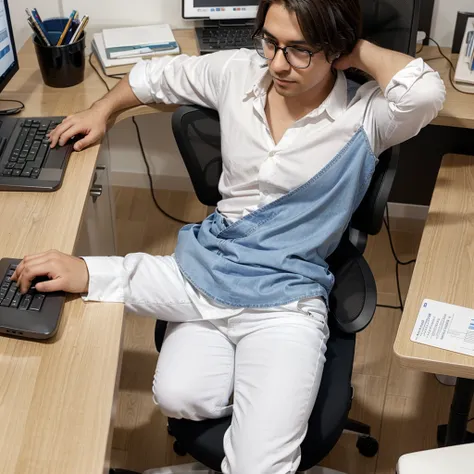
(398, 263)
(142, 149)
(421, 49)
(150, 179)
(13, 111)
(452, 69)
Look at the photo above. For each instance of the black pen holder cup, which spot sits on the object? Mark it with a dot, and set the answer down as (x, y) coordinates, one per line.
(61, 66)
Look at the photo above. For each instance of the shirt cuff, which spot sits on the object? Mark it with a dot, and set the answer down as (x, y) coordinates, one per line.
(138, 82)
(404, 80)
(106, 279)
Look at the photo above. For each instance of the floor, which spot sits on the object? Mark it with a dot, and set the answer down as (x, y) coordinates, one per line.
(403, 407)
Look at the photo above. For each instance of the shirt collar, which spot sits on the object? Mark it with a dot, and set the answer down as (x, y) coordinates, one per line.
(334, 104)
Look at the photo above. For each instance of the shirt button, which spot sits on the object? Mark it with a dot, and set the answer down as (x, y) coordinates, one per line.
(272, 153)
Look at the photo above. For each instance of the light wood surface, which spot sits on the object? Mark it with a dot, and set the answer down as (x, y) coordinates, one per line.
(445, 266)
(458, 110)
(403, 407)
(56, 397)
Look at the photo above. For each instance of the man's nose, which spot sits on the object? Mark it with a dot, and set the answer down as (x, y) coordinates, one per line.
(279, 64)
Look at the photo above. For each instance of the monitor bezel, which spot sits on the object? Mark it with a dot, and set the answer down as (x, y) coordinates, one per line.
(185, 5)
(14, 68)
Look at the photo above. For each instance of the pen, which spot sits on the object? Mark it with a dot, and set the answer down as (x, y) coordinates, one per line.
(80, 29)
(66, 28)
(36, 18)
(40, 32)
(36, 32)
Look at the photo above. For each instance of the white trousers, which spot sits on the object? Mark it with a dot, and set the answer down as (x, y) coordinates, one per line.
(268, 361)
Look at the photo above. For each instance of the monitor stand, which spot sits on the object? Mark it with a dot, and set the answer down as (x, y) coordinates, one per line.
(234, 22)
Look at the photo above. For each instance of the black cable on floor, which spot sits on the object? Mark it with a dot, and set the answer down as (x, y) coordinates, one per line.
(398, 263)
(142, 149)
(150, 179)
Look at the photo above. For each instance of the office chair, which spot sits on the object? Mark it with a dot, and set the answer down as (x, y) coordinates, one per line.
(352, 303)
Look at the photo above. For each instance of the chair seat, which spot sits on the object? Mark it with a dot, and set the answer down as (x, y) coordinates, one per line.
(204, 440)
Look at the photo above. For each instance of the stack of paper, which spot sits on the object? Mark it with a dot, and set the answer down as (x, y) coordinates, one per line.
(118, 48)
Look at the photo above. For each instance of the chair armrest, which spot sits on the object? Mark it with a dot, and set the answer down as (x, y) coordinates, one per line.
(353, 300)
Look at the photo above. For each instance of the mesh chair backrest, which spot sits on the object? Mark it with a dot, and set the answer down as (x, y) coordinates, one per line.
(198, 136)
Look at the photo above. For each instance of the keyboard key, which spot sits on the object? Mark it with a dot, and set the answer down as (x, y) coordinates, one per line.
(7, 172)
(43, 151)
(27, 123)
(26, 173)
(19, 166)
(16, 300)
(32, 154)
(36, 123)
(9, 296)
(24, 154)
(37, 302)
(9, 165)
(20, 141)
(25, 302)
(16, 173)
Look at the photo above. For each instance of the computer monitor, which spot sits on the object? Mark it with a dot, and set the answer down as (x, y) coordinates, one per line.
(8, 56)
(219, 9)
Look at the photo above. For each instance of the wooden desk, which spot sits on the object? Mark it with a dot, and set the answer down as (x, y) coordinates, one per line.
(458, 109)
(56, 398)
(444, 271)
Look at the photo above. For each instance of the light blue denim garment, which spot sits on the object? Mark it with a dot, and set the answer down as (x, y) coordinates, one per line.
(277, 254)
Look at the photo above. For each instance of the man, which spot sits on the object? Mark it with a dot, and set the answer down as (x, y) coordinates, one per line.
(246, 292)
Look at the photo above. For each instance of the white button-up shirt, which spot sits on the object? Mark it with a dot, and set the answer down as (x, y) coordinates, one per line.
(256, 170)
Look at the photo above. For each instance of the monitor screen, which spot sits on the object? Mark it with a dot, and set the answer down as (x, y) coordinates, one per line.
(8, 58)
(219, 9)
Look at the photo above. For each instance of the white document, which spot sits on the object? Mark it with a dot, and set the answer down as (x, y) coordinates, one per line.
(445, 326)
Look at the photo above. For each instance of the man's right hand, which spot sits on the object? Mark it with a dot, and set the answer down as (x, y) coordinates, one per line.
(65, 273)
(92, 123)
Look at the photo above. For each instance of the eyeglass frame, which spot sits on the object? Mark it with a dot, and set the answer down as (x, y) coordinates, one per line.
(285, 53)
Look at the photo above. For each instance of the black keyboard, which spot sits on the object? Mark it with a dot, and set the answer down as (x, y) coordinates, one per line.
(10, 296)
(30, 150)
(224, 37)
(31, 315)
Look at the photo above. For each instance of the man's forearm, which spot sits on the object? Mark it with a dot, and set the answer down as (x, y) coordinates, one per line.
(119, 98)
(382, 64)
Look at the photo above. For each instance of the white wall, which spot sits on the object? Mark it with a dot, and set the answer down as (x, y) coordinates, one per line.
(126, 12)
(444, 19)
(21, 30)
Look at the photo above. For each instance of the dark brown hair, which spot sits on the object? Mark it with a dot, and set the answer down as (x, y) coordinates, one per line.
(331, 26)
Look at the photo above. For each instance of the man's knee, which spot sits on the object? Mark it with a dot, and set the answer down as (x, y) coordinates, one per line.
(179, 398)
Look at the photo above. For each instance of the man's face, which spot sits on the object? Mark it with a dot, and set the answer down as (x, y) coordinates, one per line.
(281, 28)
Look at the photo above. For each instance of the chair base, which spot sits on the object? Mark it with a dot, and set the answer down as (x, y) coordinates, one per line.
(121, 471)
(367, 446)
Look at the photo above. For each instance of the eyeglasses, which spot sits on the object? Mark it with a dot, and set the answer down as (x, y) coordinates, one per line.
(296, 57)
